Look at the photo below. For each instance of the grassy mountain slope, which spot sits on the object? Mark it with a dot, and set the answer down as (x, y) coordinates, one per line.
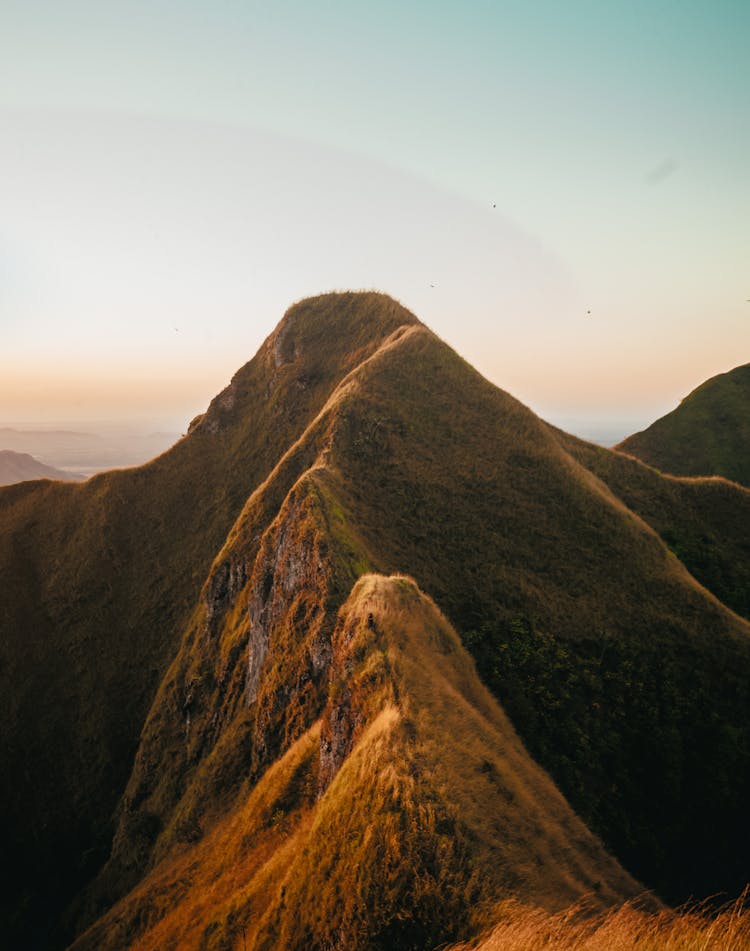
(194, 603)
(625, 677)
(708, 433)
(98, 581)
(705, 522)
(399, 819)
(21, 467)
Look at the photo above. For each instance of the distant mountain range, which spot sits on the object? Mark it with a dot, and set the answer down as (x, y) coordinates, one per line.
(369, 652)
(708, 433)
(87, 453)
(21, 467)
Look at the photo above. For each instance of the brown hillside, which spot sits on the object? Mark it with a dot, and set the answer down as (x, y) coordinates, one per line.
(621, 673)
(399, 820)
(194, 602)
(603, 647)
(705, 522)
(98, 581)
(707, 434)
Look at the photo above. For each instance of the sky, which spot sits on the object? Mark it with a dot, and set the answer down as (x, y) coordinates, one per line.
(560, 190)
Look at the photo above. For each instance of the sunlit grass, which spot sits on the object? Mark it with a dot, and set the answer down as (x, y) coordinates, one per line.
(696, 927)
(431, 811)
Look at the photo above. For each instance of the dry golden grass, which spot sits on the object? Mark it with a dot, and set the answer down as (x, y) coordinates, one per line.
(588, 630)
(601, 647)
(209, 894)
(433, 814)
(625, 928)
(356, 441)
(99, 581)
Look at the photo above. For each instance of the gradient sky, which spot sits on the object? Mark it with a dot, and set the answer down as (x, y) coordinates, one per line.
(174, 174)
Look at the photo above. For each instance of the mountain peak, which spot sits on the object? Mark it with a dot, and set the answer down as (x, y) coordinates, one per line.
(318, 340)
(343, 313)
(707, 434)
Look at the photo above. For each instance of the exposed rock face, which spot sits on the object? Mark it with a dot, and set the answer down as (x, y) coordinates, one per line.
(223, 587)
(216, 417)
(251, 679)
(256, 651)
(283, 344)
(343, 715)
(291, 616)
(337, 739)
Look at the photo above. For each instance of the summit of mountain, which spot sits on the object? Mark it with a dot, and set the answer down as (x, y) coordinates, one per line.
(210, 701)
(707, 434)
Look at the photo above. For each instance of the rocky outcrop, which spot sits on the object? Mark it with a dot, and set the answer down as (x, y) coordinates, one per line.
(109, 576)
(251, 678)
(580, 619)
(345, 711)
(290, 614)
(225, 583)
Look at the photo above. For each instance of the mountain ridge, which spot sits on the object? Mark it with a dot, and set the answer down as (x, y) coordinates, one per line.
(707, 434)
(702, 519)
(396, 704)
(358, 443)
(240, 535)
(74, 556)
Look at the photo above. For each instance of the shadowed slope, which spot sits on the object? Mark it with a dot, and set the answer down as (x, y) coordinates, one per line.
(708, 433)
(705, 522)
(428, 812)
(626, 679)
(99, 579)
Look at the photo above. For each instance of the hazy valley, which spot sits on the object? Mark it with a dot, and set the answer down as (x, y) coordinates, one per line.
(82, 454)
(22, 467)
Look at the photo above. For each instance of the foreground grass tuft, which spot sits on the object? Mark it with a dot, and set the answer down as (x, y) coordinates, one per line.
(690, 928)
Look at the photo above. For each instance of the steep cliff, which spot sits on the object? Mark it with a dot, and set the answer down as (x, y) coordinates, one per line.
(400, 818)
